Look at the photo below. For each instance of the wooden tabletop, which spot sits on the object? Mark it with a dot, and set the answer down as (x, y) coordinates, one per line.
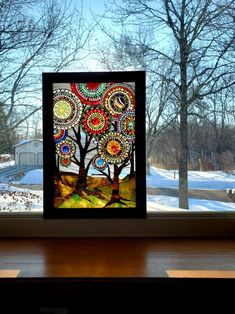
(117, 258)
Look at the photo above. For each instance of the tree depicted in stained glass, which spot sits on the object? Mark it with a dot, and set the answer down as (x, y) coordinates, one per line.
(94, 138)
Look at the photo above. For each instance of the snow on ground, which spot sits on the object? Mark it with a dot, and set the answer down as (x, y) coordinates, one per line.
(32, 177)
(205, 180)
(156, 203)
(20, 198)
(17, 199)
(7, 164)
(13, 199)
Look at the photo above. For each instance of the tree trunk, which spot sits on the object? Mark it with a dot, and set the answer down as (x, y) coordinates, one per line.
(81, 182)
(148, 152)
(132, 168)
(183, 158)
(147, 167)
(115, 198)
(56, 169)
(219, 157)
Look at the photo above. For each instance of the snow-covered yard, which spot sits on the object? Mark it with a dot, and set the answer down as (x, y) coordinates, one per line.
(13, 199)
(17, 196)
(20, 198)
(7, 164)
(201, 180)
(160, 203)
(33, 177)
(209, 180)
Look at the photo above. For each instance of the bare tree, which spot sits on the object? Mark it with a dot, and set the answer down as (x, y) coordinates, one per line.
(221, 117)
(6, 134)
(124, 54)
(160, 110)
(199, 37)
(35, 36)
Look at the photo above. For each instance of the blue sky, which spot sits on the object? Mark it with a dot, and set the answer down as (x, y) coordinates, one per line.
(97, 6)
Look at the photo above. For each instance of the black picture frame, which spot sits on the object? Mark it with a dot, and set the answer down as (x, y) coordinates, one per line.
(54, 83)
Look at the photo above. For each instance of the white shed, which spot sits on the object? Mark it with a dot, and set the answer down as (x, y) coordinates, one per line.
(29, 153)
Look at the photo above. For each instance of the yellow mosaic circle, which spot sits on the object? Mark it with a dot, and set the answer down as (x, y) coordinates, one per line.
(62, 109)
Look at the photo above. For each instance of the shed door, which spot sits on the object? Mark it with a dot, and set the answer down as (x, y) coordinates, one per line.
(39, 159)
(27, 159)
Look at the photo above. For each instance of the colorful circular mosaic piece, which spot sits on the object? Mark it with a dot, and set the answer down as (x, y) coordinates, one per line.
(65, 162)
(117, 99)
(89, 93)
(126, 125)
(60, 135)
(95, 121)
(65, 149)
(67, 109)
(99, 163)
(114, 147)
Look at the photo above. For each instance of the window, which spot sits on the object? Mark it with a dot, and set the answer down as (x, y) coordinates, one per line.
(190, 110)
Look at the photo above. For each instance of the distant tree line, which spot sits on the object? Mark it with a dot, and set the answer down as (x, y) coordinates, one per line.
(206, 150)
(211, 136)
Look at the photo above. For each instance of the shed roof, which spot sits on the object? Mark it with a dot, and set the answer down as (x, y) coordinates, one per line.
(23, 142)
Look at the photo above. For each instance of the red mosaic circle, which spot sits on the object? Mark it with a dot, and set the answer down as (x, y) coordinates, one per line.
(95, 121)
(89, 93)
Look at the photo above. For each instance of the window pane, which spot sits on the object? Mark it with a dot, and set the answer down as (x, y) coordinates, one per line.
(211, 171)
(147, 42)
(21, 174)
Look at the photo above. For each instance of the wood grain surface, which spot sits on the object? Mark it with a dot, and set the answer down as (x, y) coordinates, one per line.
(118, 257)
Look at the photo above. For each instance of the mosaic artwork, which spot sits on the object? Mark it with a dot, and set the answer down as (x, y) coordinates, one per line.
(94, 136)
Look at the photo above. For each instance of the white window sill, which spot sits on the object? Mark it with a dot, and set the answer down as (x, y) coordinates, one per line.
(157, 224)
